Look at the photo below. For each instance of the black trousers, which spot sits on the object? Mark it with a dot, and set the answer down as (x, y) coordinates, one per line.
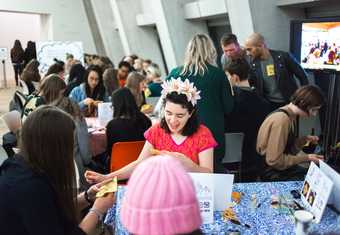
(17, 72)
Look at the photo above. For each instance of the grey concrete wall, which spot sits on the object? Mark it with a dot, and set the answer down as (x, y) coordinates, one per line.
(135, 39)
(108, 30)
(274, 22)
(180, 30)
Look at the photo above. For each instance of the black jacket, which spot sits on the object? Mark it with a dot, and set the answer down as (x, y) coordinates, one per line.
(285, 67)
(28, 204)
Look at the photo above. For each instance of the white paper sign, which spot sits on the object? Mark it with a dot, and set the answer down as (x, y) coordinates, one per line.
(316, 191)
(334, 198)
(213, 192)
(47, 51)
(105, 113)
(3, 53)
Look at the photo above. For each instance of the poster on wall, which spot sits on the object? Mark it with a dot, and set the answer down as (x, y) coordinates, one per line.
(49, 50)
(3, 53)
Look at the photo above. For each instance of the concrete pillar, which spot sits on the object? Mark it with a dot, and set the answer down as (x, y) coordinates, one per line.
(108, 30)
(240, 18)
(98, 41)
(135, 39)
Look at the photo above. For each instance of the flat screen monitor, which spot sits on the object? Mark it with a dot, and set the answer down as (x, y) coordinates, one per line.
(316, 43)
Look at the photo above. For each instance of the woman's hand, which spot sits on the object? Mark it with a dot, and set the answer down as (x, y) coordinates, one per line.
(92, 191)
(315, 158)
(102, 204)
(88, 101)
(186, 162)
(94, 177)
(312, 139)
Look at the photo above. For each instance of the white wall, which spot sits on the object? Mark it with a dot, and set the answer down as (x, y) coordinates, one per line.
(14, 26)
(68, 18)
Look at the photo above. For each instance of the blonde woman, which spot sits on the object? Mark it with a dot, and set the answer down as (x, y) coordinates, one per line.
(200, 68)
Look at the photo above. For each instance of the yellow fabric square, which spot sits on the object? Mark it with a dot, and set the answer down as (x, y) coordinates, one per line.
(270, 70)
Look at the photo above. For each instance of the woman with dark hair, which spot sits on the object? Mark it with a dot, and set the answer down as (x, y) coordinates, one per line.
(200, 68)
(56, 68)
(75, 78)
(31, 74)
(17, 58)
(278, 140)
(39, 182)
(179, 134)
(30, 52)
(51, 89)
(128, 123)
(90, 92)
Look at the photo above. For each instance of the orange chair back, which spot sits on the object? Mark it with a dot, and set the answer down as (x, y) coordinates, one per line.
(125, 152)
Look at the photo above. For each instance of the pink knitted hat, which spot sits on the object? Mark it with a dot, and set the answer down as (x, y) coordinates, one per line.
(160, 199)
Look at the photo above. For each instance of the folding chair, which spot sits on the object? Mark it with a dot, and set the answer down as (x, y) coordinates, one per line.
(124, 153)
(233, 151)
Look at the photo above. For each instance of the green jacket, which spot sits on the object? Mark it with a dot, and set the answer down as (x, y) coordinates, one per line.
(216, 100)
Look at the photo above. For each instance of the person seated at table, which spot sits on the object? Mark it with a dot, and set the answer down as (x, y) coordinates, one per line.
(82, 153)
(178, 134)
(31, 74)
(91, 92)
(75, 77)
(39, 183)
(160, 199)
(136, 83)
(51, 89)
(277, 139)
(128, 123)
(56, 68)
(153, 75)
(248, 113)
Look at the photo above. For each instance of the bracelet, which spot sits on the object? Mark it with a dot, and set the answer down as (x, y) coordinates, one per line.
(87, 198)
(98, 213)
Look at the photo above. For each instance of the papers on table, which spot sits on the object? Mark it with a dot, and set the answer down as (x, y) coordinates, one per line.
(213, 192)
(316, 190)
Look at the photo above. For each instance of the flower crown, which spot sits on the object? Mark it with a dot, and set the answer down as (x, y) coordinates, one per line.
(181, 87)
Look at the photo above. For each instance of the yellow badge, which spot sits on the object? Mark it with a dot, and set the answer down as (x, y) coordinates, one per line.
(109, 187)
(270, 70)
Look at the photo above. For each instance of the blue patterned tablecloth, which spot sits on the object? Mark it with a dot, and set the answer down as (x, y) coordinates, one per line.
(262, 219)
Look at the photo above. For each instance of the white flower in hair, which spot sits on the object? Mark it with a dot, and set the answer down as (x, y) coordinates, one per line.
(186, 88)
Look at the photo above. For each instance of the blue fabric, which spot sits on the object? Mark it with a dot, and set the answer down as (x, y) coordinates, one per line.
(262, 220)
(78, 94)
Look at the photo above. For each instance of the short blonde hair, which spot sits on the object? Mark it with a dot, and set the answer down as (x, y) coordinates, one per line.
(154, 70)
(200, 52)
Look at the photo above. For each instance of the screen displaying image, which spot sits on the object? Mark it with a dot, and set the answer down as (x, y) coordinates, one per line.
(320, 45)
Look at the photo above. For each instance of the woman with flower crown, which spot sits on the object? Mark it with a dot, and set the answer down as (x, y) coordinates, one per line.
(200, 68)
(178, 134)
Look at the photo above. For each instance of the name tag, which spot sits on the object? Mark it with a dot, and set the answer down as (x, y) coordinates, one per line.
(270, 70)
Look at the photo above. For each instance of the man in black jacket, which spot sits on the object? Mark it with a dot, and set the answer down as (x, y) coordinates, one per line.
(272, 72)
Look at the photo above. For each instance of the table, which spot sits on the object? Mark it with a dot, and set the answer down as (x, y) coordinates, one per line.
(97, 136)
(262, 220)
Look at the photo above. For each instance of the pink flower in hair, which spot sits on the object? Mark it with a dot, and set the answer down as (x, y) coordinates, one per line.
(186, 88)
